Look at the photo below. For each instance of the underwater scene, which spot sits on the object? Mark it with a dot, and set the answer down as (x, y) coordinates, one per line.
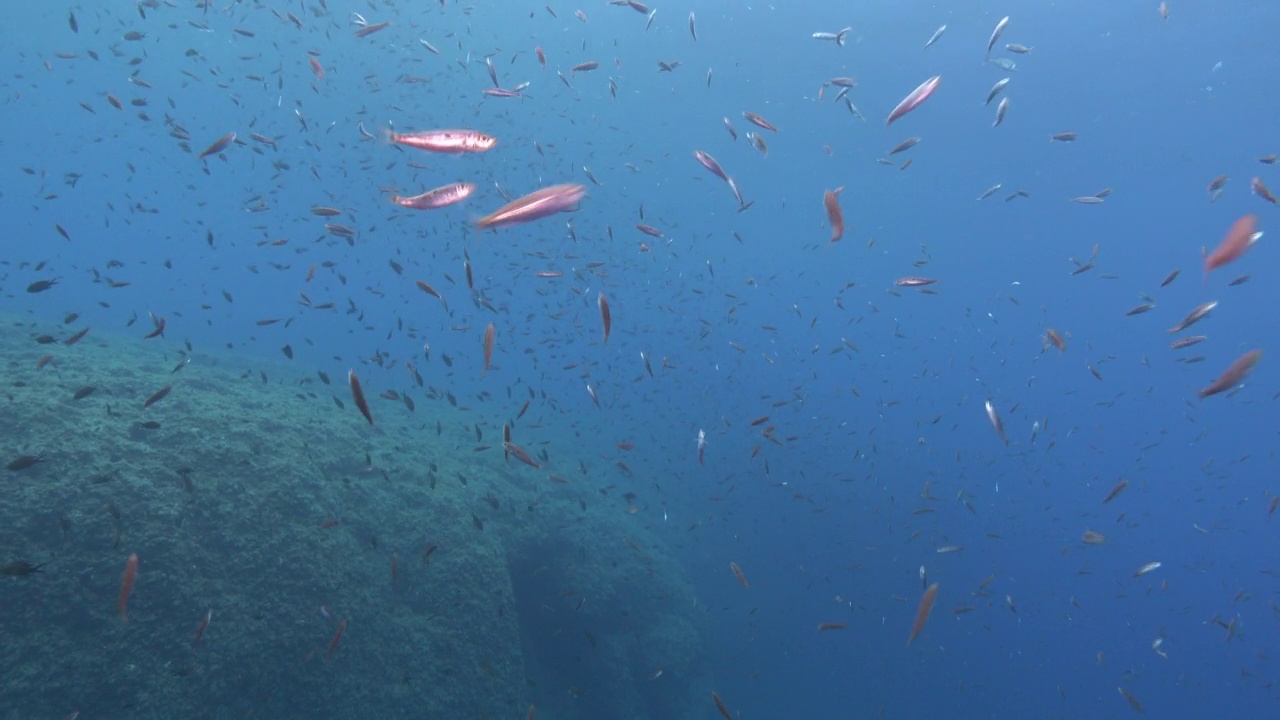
(639, 360)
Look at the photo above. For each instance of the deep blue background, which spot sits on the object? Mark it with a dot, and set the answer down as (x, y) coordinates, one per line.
(827, 533)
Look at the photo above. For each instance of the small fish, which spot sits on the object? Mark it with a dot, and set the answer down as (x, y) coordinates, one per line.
(606, 320)
(1146, 569)
(488, 348)
(835, 216)
(1233, 374)
(737, 572)
(1001, 109)
(934, 38)
(922, 612)
(126, 586)
(914, 99)
(994, 417)
(357, 396)
(837, 37)
(218, 145)
(995, 34)
(449, 142)
(1195, 316)
(996, 89)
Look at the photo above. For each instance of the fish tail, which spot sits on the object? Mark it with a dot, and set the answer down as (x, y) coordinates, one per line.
(840, 36)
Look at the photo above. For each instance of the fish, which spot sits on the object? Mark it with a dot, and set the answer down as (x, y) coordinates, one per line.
(1146, 569)
(1052, 337)
(837, 37)
(721, 706)
(996, 89)
(76, 338)
(488, 348)
(1260, 189)
(1063, 137)
(157, 396)
(922, 612)
(204, 625)
(520, 454)
(936, 35)
(424, 287)
(1239, 238)
(449, 142)
(1194, 316)
(443, 196)
(914, 281)
(22, 462)
(126, 586)
(995, 34)
(218, 145)
(693, 27)
(989, 192)
(585, 67)
(1233, 374)
(708, 162)
(1001, 109)
(994, 417)
(606, 320)
(822, 627)
(904, 145)
(357, 396)
(1128, 696)
(368, 30)
(737, 572)
(914, 98)
(1115, 491)
(538, 204)
(758, 121)
(342, 628)
(835, 216)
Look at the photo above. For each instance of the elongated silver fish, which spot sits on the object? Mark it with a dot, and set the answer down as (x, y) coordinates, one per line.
(995, 34)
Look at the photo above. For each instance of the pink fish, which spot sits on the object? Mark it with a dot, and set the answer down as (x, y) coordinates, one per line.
(535, 205)
(439, 197)
(450, 142)
(912, 101)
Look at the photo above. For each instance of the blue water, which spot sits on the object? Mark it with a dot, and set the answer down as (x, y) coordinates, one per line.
(751, 309)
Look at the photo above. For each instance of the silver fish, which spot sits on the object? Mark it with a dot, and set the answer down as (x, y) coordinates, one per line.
(995, 34)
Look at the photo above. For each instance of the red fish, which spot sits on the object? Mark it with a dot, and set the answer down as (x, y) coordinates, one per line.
(1233, 375)
(488, 348)
(316, 67)
(922, 612)
(371, 29)
(1261, 191)
(443, 196)
(835, 216)
(535, 205)
(219, 145)
(605, 319)
(450, 142)
(913, 100)
(76, 338)
(1238, 239)
(520, 454)
(758, 121)
(126, 585)
(159, 324)
(357, 395)
(157, 397)
(342, 628)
